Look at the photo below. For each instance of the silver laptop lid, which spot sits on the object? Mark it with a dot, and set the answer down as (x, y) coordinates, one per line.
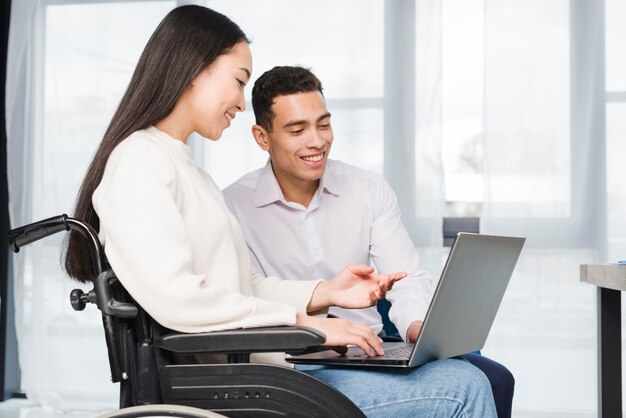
(467, 296)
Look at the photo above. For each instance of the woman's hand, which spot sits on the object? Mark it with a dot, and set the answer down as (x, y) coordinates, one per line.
(341, 333)
(356, 286)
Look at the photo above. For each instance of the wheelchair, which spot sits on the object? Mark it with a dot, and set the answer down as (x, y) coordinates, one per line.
(152, 365)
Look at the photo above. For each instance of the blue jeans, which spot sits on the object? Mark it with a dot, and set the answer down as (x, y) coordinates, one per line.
(501, 379)
(442, 388)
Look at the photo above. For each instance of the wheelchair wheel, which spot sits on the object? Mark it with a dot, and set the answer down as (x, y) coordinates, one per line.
(158, 411)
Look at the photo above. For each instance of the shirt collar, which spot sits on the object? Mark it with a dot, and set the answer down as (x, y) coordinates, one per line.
(329, 182)
(268, 190)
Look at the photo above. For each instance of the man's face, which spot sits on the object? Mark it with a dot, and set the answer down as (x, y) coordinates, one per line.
(301, 137)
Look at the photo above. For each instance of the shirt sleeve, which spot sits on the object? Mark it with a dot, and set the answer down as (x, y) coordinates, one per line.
(392, 250)
(147, 245)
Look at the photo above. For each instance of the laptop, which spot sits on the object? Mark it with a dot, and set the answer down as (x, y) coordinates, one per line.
(462, 310)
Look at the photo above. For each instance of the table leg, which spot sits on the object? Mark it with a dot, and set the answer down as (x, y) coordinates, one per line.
(609, 354)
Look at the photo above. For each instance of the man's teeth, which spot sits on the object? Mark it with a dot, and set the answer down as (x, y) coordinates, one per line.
(229, 117)
(313, 158)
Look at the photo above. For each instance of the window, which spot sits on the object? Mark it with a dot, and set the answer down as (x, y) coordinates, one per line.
(345, 54)
(462, 105)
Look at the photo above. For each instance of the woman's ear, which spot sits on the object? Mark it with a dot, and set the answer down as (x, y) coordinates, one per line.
(203, 73)
(261, 137)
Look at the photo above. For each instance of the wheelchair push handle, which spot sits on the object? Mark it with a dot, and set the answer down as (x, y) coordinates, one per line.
(30, 233)
(27, 234)
(101, 294)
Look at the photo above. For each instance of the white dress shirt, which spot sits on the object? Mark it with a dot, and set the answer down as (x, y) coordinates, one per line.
(352, 218)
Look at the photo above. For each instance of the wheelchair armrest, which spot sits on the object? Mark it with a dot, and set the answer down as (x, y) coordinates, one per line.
(251, 340)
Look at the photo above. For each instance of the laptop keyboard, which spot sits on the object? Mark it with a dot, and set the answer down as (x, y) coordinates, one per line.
(402, 351)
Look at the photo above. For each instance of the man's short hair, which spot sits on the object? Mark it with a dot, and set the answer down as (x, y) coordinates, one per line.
(280, 81)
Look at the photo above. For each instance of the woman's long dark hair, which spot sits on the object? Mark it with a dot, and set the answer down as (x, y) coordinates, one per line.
(185, 43)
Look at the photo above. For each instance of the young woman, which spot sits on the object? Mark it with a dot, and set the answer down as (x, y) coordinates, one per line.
(177, 249)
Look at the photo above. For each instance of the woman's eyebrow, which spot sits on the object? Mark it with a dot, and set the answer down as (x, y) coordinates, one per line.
(245, 70)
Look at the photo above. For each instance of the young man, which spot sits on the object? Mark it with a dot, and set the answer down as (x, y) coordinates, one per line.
(305, 213)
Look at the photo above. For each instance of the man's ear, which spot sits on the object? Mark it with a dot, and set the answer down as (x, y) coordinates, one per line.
(261, 137)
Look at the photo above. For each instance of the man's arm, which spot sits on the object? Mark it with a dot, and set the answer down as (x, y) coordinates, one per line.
(392, 249)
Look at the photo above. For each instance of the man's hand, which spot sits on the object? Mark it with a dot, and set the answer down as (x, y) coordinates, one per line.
(356, 286)
(341, 333)
(413, 331)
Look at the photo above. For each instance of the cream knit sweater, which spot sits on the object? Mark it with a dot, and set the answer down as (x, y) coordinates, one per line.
(177, 249)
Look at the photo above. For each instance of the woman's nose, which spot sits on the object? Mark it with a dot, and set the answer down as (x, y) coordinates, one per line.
(241, 105)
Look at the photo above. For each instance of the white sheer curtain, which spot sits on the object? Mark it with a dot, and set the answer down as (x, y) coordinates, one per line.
(69, 64)
(545, 179)
(429, 192)
(615, 42)
(50, 355)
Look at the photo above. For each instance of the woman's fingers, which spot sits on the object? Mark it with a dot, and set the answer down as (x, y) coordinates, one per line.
(362, 344)
(341, 349)
(368, 341)
(361, 269)
(374, 296)
(382, 286)
(397, 277)
(390, 279)
(341, 333)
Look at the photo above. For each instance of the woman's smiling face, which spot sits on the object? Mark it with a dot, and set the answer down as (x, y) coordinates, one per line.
(216, 95)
